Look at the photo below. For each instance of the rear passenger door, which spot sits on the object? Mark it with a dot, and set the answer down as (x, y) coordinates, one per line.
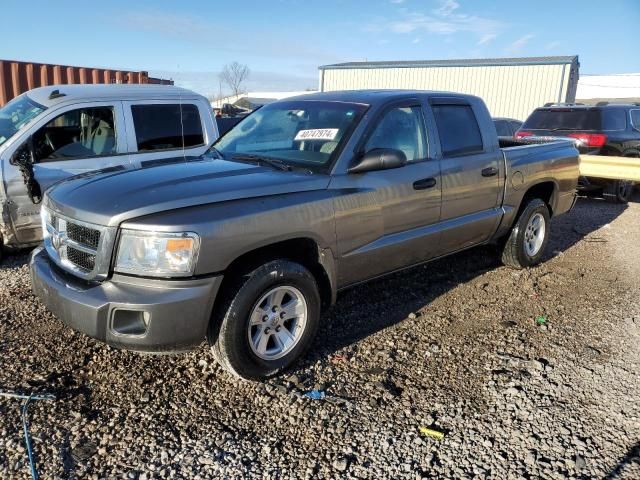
(470, 168)
(161, 129)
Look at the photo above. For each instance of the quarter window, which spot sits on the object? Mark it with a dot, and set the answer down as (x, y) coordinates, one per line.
(76, 134)
(402, 129)
(167, 126)
(635, 118)
(614, 119)
(458, 129)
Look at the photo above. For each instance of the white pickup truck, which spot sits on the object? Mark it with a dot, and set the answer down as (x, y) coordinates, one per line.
(51, 133)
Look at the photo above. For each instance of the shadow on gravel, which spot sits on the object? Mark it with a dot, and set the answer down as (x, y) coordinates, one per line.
(632, 456)
(589, 215)
(364, 310)
(15, 258)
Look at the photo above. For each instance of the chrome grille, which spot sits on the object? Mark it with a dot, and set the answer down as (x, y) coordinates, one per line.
(78, 247)
(83, 235)
(83, 260)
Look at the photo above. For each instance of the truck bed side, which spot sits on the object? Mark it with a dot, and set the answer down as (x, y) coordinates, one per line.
(551, 168)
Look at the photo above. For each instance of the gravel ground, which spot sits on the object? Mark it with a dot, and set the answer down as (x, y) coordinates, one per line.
(454, 346)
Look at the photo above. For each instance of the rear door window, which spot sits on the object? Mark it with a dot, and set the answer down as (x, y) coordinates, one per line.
(458, 129)
(167, 126)
(563, 119)
(614, 119)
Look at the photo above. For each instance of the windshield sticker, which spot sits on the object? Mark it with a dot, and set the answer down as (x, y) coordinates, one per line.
(317, 134)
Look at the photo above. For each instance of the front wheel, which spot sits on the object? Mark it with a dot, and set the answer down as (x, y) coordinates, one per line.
(268, 320)
(528, 238)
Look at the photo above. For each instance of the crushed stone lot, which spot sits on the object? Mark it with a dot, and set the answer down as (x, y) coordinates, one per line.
(528, 374)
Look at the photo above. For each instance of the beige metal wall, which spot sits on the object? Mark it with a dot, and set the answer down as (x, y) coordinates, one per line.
(509, 91)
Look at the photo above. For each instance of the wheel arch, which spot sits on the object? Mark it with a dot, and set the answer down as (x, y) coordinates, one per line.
(545, 190)
(304, 250)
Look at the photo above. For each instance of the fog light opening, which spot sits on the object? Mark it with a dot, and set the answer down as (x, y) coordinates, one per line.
(130, 322)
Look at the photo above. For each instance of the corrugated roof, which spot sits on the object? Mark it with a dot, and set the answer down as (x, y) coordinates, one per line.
(473, 62)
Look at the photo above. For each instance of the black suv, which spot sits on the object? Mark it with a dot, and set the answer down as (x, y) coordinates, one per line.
(601, 129)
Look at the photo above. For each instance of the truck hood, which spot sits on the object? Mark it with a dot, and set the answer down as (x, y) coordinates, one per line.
(109, 198)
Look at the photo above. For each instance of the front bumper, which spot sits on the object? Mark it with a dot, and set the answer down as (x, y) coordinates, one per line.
(141, 314)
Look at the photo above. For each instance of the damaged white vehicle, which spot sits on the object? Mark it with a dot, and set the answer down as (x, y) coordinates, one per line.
(51, 133)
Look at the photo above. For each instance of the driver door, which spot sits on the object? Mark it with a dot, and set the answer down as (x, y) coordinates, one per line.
(389, 221)
(70, 141)
(78, 140)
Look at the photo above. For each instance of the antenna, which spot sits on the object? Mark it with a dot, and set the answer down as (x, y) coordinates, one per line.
(184, 154)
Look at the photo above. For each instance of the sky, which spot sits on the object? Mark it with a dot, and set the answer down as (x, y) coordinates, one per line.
(284, 41)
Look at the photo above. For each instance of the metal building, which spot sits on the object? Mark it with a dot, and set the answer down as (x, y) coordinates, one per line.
(17, 77)
(511, 87)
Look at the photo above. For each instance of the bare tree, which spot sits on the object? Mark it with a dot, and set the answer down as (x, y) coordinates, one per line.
(233, 75)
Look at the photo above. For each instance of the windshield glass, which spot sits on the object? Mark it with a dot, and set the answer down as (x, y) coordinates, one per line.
(303, 133)
(16, 114)
(563, 119)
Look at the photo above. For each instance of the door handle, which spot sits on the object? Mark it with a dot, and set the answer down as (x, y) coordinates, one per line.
(489, 172)
(424, 183)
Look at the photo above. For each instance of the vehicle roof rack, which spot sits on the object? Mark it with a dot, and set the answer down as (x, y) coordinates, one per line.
(56, 94)
(622, 104)
(562, 104)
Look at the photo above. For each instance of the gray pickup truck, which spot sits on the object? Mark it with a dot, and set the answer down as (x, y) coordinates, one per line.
(248, 244)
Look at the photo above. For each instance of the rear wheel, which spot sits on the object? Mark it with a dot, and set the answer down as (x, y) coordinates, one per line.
(618, 191)
(268, 320)
(529, 236)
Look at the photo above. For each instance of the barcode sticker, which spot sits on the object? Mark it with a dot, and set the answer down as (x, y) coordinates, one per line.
(317, 134)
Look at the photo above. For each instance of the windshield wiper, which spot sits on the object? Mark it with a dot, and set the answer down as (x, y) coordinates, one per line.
(272, 162)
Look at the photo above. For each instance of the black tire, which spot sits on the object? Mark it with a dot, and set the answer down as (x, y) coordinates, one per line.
(228, 332)
(618, 191)
(1, 249)
(514, 252)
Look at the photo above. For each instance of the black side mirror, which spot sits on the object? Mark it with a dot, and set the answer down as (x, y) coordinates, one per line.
(379, 159)
(24, 155)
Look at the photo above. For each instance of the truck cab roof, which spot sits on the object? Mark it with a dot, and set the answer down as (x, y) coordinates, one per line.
(373, 97)
(58, 94)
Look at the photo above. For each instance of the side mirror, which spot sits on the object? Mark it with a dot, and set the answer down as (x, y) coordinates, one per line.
(379, 159)
(24, 155)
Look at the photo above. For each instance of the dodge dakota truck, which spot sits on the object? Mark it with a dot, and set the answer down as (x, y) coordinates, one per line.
(247, 245)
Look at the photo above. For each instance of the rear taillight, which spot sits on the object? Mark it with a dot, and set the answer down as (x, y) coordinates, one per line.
(590, 139)
(522, 134)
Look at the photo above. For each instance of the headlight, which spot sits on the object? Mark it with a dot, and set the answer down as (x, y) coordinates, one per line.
(157, 254)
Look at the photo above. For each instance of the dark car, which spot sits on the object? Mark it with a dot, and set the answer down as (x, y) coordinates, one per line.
(506, 127)
(602, 129)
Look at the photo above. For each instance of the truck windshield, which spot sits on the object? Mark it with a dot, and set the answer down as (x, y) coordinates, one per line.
(563, 119)
(305, 133)
(16, 114)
